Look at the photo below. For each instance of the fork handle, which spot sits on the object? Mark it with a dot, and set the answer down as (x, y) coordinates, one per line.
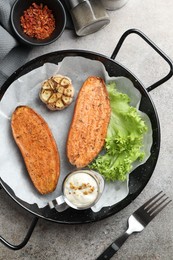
(114, 247)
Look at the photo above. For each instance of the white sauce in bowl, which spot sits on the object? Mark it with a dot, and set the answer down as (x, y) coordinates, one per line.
(81, 189)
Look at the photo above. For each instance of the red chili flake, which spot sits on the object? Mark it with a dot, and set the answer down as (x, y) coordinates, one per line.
(38, 21)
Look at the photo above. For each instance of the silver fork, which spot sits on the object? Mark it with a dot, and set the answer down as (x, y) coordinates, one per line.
(137, 222)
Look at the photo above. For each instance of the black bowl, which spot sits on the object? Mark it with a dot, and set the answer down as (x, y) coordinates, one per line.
(58, 12)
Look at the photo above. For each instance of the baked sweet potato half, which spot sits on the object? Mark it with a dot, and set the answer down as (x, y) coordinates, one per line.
(90, 121)
(38, 148)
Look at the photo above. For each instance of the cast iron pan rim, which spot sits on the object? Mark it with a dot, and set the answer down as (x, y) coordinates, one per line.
(125, 204)
(126, 201)
(74, 53)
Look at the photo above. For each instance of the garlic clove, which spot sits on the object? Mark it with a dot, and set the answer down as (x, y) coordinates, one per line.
(45, 95)
(66, 100)
(59, 104)
(69, 91)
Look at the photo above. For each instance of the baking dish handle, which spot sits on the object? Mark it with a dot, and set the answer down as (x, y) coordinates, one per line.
(26, 239)
(155, 47)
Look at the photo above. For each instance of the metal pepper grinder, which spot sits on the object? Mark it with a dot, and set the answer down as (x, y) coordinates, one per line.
(88, 16)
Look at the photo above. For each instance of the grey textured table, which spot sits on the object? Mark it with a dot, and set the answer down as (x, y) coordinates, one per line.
(54, 241)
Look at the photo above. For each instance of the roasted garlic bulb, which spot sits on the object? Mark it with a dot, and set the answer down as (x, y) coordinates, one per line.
(57, 92)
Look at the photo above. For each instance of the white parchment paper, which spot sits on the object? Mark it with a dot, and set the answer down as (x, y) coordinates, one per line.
(25, 91)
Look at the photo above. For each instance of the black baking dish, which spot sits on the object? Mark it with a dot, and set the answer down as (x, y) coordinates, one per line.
(137, 181)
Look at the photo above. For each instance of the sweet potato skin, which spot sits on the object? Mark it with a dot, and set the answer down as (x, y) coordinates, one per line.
(90, 121)
(38, 148)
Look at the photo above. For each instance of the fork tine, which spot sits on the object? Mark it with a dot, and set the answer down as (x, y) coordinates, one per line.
(154, 213)
(150, 205)
(150, 200)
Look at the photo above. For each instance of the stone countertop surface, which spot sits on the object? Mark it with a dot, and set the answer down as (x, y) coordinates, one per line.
(62, 242)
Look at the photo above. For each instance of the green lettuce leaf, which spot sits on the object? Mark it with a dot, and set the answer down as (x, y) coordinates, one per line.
(124, 141)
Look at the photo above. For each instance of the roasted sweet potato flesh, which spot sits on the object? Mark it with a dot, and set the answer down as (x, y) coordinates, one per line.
(90, 121)
(38, 148)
